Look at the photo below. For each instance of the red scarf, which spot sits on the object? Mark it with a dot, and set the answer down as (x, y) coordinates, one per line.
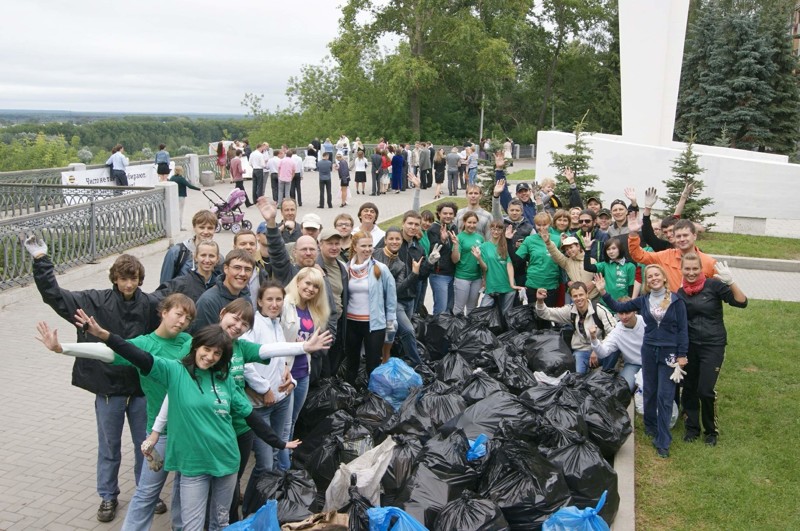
(693, 288)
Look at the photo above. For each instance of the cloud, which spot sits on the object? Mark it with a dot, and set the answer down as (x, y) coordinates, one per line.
(168, 56)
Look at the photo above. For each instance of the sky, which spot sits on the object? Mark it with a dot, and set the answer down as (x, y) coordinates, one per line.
(170, 56)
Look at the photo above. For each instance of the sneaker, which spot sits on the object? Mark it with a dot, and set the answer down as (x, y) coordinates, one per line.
(107, 510)
(161, 507)
(690, 437)
(663, 453)
(711, 440)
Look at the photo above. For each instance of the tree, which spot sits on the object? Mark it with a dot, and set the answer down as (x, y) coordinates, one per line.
(685, 171)
(579, 160)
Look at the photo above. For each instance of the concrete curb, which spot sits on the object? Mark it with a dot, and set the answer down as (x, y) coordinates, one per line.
(29, 292)
(762, 264)
(624, 464)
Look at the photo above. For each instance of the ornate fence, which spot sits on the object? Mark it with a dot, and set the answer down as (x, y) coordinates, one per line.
(20, 199)
(81, 234)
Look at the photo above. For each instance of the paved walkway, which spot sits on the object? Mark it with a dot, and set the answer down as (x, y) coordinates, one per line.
(47, 459)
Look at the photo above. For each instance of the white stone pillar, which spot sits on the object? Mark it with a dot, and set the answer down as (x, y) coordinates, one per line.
(76, 166)
(194, 169)
(651, 35)
(172, 221)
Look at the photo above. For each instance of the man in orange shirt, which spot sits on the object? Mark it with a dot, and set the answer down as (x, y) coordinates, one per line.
(684, 237)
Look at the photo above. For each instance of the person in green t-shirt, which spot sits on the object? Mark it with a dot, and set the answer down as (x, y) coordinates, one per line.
(493, 259)
(619, 273)
(542, 272)
(468, 281)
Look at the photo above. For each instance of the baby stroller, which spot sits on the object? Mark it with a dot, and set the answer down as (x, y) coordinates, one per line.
(229, 215)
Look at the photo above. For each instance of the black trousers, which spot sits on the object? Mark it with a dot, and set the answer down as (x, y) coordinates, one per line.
(323, 187)
(375, 179)
(273, 181)
(699, 395)
(240, 186)
(245, 443)
(426, 179)
(462, 170)
(258, 183)
(295, 191)
(358, 334)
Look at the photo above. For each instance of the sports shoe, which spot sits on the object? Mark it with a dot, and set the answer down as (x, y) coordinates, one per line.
(107, 510)
(711, 440)
(662, 452)
(161, 507)
(690, 437)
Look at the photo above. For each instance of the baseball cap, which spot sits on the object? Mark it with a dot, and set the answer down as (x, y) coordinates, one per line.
(311, 221)
(523, 186)
(593, 198)
(327, 234)
(604, 212)
(262, 228)
(569, 240)
(618, 202)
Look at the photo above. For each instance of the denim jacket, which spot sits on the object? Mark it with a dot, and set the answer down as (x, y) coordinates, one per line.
(382, 297)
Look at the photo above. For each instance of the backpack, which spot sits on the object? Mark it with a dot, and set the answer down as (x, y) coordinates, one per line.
(183, 255)
(568, 330)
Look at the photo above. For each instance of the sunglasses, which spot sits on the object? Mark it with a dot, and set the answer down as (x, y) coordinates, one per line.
(584, 221)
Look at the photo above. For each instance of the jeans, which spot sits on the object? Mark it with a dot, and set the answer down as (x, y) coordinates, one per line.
(143, 504)
(298, 399)
(419, 301)
(465, 295)
(296, 192)
(506, 300)
(473, 175)
(273, 181)
(452, 181)
(284, 190)
(699, 395)
(628, 372)
(405, 331)
(195, 497)
(443, 293)
(110, 412)
(658, 393)
(582, 361)
(278, 416)
(610, 362)
(325, 187)
(258, 183)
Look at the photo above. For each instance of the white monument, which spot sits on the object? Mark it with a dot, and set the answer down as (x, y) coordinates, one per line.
(754, 193)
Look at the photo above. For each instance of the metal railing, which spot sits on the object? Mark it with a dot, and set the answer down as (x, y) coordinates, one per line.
(53, 175)
(19, 199)
(81, 234)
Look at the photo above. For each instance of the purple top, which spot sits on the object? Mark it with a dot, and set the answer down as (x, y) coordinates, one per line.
(300, 367)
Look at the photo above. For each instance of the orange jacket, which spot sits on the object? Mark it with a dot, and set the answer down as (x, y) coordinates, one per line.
(670, 260)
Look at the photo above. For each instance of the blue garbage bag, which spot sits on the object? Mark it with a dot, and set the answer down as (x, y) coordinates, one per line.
(574, 519)
(477, 448)
(265, 519)
(393, 381)
(380, 519)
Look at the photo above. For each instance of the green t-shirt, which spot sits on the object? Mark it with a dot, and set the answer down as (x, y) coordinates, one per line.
(425, 242)
(467, 267)
(169, 349)
(542, 271)
(202, 439)
(618, 278)
(496, 269)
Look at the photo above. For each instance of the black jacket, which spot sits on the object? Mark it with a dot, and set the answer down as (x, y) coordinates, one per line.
(704, 312)
(404, 278)
(522, 229)
(212, 301)
(125, 318)
(445, 265)
(192, 284)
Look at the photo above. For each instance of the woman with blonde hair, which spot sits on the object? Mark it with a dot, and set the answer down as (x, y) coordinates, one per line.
(666, 342)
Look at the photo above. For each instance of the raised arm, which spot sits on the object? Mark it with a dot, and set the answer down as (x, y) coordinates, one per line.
(278, 256)
(139, 358)
(94, 351)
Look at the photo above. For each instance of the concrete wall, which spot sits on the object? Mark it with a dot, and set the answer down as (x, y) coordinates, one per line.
(753, 193)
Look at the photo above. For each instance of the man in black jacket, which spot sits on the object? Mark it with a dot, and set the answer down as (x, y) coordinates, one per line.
(376, 160)
(124, 310)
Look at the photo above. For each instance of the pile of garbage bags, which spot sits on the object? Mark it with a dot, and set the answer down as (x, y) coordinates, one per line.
(546, 437)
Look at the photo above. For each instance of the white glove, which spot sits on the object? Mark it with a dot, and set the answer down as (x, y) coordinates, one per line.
(390, 326)
(650, 198)
(434, 255)
(724, 273)
(523, 297)
(154, 459)
(35, 246)
(678, 374)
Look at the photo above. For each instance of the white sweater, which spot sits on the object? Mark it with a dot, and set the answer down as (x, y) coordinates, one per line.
(259, 376)
(626, 340)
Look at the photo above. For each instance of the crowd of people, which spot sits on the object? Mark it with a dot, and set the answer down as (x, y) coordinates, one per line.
(217, 362)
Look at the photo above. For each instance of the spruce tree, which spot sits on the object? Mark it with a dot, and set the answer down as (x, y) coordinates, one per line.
(784, 108)
(685, 170)
(579, 158)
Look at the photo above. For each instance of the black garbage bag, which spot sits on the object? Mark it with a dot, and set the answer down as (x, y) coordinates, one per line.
(335, 424)
(520, 319)
(488, 316)
(588, 474)
(541, 395)
(401, 467)
(565, 415)
(356, 441)
(440, 403)
(293, 489)
(485, 416)
(453, 368)
(427, 371)
(513, 371)
(470, 513)
(479, 385)
(329, 396)
(373, 411)
(601, 384)
(357, 508)
(547, 352)
(408, 421)
(526, 486)
(334, 450)
(608, 424)
(473, 340)
(443, 330)
(537, 431)
(420, 325)
(441, 474)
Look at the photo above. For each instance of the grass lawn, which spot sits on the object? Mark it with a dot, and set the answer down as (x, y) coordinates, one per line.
(746, 245)
(749, 480)
(522, 175)
(460, 201)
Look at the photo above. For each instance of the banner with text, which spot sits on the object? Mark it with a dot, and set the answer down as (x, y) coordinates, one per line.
(141, 175)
